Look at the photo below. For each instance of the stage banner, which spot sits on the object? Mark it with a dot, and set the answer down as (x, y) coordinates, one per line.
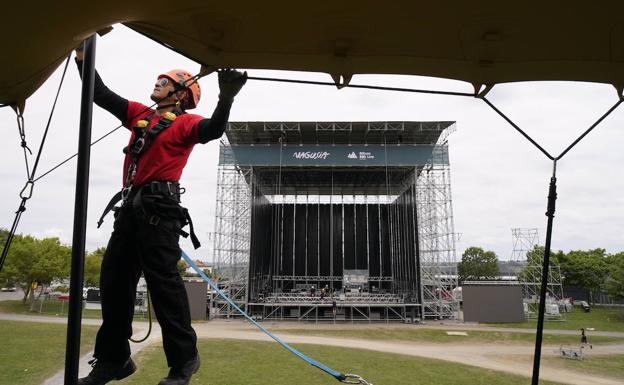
(372, 155)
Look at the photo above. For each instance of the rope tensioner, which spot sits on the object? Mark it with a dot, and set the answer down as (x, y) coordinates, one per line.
(354, 379)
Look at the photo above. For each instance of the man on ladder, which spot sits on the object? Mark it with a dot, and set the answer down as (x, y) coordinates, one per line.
(150, 219)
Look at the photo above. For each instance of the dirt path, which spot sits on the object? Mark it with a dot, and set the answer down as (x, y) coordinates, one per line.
(446, 325)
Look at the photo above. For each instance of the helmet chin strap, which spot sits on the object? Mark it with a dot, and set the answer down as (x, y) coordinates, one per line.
(177, 104)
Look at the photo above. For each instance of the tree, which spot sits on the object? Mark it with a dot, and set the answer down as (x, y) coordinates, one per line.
(37, 261)
(93, 264)
(586, 269)
(535, 261)
(182, 267)
(6, 274)
(4, 234)
(614, 284)
(477, 263)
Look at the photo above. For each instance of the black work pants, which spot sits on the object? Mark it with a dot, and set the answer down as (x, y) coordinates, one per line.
(137, 246)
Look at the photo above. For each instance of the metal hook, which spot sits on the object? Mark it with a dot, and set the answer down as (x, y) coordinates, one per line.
(27, 191)
(354, 379)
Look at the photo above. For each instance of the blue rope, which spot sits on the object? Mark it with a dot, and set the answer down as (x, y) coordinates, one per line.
(337, 375)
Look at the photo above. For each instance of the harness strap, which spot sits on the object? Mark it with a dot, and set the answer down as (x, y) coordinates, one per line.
(109, 207)
(143, 139)
(194, 239)
(161, 188)
(155, 220)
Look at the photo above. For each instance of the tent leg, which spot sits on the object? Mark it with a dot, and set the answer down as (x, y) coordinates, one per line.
(550, 213)
(72, 354)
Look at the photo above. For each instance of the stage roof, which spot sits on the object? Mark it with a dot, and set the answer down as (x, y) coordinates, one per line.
(335, 133)
(335, 144)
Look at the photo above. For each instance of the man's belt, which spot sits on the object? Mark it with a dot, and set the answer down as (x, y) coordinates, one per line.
(171, 189)
(165, 188)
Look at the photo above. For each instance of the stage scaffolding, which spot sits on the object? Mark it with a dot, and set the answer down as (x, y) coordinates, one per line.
(371, 228)
(529, 275)
(232, 228)
(437, 237)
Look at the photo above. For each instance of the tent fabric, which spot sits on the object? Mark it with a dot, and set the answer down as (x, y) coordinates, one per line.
(481, 42)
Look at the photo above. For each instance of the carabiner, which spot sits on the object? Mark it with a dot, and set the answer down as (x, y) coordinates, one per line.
(27, 191)
(354, 379)
(125, 192)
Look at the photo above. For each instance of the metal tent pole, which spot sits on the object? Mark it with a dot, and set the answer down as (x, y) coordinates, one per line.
(72, 354)
(550, 213)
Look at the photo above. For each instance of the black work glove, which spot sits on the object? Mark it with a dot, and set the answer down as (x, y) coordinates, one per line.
(230, 83)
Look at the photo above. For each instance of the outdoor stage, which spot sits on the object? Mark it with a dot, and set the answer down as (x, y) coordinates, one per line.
(336, 221)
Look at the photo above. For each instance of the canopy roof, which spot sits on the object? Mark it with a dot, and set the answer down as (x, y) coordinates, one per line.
(480, 42)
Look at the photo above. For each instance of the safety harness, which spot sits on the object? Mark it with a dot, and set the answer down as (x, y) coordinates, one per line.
(146, 194)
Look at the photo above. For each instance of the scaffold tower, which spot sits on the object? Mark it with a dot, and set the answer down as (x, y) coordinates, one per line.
(529, 273)
(436, 236)
(232, 229)
(524, 240)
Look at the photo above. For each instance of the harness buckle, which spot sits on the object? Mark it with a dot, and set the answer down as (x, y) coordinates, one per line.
(154, 220)
(138, 146)
(171, 188)
(154, 187)
(125, 192)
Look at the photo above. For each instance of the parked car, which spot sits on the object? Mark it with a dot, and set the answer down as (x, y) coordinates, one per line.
(8, 289)
(585, 306)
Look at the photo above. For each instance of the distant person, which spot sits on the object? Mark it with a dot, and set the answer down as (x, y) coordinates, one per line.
(312, 291)
(584, 338)
(334, 307)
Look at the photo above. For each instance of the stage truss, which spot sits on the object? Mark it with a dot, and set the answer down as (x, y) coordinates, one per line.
(232, 233)
(437, 238)
(530, 277)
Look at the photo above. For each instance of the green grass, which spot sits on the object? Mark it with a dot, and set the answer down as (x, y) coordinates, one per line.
(440, 336)
(601, 318)
(50, 308)
(599, 365)
(612, 365)
(32, 352)
(261, 363)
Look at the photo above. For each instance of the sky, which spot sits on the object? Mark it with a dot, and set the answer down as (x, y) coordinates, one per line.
(499, 181)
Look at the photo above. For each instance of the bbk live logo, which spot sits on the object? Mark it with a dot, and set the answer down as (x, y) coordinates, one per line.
(311, 155)
(362, 155)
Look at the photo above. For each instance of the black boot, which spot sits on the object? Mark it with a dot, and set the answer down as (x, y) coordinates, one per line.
(181, 376)
(103, 372)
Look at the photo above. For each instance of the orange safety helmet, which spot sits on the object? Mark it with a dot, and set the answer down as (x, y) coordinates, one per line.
(182, 79)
